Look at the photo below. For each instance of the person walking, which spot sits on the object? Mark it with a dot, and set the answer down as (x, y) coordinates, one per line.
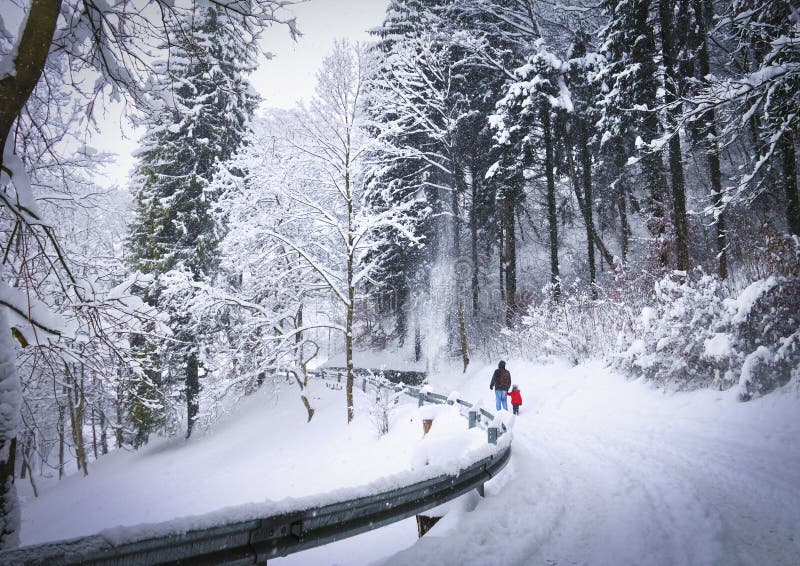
(516, 399)
(501, 383)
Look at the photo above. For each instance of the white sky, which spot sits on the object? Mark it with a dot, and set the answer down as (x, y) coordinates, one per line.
(290, 75)
(285, 79)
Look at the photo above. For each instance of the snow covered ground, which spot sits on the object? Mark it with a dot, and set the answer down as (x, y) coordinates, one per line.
(607, 471)
(604, 471)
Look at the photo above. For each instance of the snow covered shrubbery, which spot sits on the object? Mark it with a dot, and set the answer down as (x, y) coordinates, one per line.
(381, 408)
(694, 336)
(684, 336)
(766, 323)
(576, 327)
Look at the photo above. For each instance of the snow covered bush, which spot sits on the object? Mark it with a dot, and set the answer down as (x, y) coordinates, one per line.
(381, 406)
(683, 337)
(576, 327)
(767, 334)
(694, 336)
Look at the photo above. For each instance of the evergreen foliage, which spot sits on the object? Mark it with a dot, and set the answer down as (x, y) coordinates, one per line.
(200, 107)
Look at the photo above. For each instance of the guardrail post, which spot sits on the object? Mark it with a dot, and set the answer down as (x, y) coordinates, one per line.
(364, 385)
(425, 523)
(492, 435)
(473, 419)
(421, 399)
(339, 377)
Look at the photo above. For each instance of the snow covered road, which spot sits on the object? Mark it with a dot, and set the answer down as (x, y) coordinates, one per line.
(607, 471)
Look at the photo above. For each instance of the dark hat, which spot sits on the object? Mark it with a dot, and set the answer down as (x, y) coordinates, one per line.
(502, 365)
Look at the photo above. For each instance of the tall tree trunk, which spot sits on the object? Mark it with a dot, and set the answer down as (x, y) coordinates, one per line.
(120, 412)
(586, 168)
(708, 129)
(585, 204)
(790, 182)
(552, 213)
(9, 422)
(35, 40)
(417, 342)
(31, 55)
(473, 232)
(509, 258)
(502, 257)
(298, 340)
(671, 80)
(351, 297)
(103, 433)
(192, 389)
(76, 419)
(94, 435)
(61, 432)
(462, 326)
(458, 186)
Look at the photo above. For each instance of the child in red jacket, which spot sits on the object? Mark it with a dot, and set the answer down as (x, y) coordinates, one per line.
(516, 399)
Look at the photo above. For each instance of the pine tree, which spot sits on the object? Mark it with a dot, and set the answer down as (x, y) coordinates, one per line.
(769, 31)
(628, 121)
(201, 106)
(525, 122)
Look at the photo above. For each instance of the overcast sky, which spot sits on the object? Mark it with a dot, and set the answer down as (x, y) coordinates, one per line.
(289, 76)
(285, 79)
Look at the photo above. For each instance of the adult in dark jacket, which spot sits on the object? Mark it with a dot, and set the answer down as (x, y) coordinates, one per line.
(501, 383)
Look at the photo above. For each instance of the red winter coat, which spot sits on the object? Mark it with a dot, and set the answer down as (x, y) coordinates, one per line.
(516, 397)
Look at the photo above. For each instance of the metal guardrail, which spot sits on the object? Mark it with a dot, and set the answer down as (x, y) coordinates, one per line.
(409, 377)
(256, 540)
(482, 416)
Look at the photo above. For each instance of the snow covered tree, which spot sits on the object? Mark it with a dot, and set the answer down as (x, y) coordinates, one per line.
(761, 96)
(201, 106)
(525, 121)
(67, 41)
(333, 145)
(629, 120)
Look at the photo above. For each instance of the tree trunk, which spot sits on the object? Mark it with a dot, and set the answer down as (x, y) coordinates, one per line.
(103, 433)
(118, 428)
(94, 435)
(75, 404)
(298, 340)
(586, 168)
(509, 259)
(671, 80)
(790, 182)
(9, 384)
(622, 208)
(417, 342)
(708, 130)
(460, 283)
(15, 88)
(585, 205)
(61, 426)
(192, 390)
(473, 230)
(502, 257)
(462, 324)
(351, 299)
(552, 215)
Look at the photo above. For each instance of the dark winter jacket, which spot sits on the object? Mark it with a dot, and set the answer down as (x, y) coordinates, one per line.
(516, 397)
(501, 379)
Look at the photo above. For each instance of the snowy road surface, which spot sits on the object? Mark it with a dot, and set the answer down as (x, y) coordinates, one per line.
(606, 471)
